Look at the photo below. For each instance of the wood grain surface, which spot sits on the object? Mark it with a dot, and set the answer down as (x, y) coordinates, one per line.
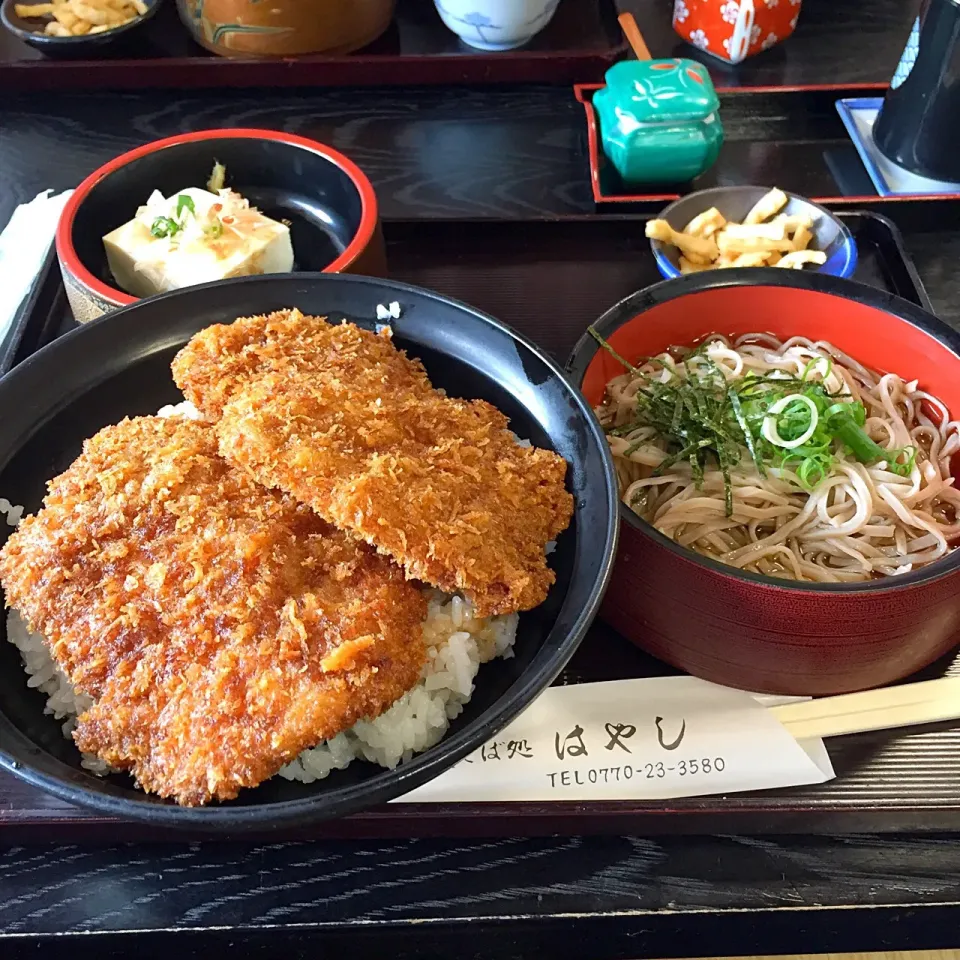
(596, 899)
(498, 152)
(433, 152)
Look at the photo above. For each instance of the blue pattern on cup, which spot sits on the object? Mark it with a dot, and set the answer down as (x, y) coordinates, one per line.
(483, 24)
(908, 57)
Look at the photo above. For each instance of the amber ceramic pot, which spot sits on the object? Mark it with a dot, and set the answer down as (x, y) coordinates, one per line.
(330, 204)
(284, 28)
(743, 629)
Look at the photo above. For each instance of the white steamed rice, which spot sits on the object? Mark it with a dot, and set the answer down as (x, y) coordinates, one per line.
(457, 643)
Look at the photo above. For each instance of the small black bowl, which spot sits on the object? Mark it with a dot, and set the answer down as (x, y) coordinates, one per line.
(120, 365)
(89, 45)
(328, 201)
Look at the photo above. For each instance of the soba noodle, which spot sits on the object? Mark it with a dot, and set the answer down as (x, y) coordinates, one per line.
(849, 521)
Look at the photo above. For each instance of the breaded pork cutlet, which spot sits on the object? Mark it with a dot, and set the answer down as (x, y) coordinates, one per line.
(221, 628)
(345, 422)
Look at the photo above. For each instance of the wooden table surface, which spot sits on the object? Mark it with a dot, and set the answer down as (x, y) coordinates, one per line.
(496, 152)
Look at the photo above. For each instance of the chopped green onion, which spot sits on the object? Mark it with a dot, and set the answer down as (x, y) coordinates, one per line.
(903, 469)
(164, 227)
(812, 366)
(185, 203)
(807, 423)
(813, 470)
(843, 423)
(853, 436)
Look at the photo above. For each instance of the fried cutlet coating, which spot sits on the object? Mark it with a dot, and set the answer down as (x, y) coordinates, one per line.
(345, 422)
(222, 628)
(222, 360)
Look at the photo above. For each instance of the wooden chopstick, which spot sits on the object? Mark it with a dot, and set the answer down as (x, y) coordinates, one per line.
(889, 707)
(631, 31)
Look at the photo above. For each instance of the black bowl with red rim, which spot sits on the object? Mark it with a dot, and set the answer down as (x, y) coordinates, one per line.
(120, 366)
(328, 201)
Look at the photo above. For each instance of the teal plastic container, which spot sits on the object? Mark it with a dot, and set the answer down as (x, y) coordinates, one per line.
(659, 120)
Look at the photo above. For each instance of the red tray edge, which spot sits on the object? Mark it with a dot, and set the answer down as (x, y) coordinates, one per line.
(584, 94)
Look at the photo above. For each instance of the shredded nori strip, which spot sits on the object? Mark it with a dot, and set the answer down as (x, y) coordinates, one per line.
(704, 417)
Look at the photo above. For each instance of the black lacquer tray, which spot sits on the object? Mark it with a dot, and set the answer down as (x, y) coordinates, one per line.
(549, 279)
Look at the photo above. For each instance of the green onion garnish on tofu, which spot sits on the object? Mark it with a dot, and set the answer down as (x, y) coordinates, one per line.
(185, 203)
(164, 227)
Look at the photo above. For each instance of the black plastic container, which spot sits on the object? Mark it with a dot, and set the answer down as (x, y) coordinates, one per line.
(919, 125)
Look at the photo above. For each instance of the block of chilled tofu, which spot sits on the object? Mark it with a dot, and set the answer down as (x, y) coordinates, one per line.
(195, 236)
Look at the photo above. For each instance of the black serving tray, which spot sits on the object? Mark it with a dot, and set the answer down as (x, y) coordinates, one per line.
(38, 319)
(550, 279)
(467, 258)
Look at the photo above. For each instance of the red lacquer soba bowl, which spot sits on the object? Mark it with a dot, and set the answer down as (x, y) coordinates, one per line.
(744, 629)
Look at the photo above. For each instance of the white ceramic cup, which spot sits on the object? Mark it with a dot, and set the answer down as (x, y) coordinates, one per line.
(497, 24)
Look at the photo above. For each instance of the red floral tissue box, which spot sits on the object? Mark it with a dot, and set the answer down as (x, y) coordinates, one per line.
(735, 29)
